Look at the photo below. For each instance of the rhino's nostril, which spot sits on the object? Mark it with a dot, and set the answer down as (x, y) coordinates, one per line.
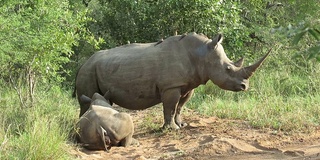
(243, 87)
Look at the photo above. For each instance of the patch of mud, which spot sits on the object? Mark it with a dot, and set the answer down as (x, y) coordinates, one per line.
(207, 138)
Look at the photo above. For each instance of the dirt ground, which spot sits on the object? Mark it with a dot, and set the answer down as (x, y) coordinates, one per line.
(207, 138)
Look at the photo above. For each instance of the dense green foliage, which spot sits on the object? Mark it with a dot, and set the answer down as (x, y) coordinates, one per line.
(43, 43)
(37, 39)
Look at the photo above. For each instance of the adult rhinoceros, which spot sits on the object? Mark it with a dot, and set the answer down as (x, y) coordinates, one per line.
(139, 76)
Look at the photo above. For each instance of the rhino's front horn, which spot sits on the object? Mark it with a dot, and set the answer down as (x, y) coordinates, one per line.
(248, 71)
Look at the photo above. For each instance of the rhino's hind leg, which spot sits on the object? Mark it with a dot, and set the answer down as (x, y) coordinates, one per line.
(183, 100)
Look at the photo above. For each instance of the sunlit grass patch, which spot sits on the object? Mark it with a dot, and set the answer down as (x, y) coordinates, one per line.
(293, 113)
(42, 131)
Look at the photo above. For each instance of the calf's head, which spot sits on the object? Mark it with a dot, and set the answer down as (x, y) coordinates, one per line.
(97, 99)
(223, 72)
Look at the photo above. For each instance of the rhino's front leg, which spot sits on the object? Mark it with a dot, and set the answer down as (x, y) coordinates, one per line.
(183, 100)
(170, 99)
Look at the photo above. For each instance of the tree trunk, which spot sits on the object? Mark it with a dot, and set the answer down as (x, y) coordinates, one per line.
(31, 83)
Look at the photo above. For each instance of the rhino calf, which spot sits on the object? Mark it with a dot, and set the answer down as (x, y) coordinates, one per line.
(101, 127)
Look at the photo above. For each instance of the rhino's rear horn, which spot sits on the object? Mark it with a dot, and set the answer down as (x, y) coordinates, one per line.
(239, 63)
(248, 71)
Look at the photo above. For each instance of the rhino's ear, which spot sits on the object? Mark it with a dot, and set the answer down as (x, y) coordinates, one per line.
(84, 99)
(217, 39)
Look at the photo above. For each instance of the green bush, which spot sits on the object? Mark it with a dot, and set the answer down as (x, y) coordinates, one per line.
(39, 132)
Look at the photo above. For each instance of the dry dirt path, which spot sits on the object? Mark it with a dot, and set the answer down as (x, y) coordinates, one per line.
(207, 138)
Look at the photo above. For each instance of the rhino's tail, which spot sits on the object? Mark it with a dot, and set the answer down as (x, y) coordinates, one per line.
(74, 92)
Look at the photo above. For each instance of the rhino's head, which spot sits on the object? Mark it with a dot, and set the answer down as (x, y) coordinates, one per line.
(222, 71)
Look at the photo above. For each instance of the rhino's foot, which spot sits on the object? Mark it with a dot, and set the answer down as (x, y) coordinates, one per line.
(170, 126)
(180, 123)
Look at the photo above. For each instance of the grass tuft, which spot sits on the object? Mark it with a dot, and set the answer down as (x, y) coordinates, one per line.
(39, 132)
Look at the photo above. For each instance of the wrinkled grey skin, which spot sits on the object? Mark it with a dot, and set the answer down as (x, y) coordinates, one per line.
(101, 127)
(139, 76)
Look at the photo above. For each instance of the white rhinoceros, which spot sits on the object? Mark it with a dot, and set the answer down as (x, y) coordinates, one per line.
(101, 127)
(139, 76)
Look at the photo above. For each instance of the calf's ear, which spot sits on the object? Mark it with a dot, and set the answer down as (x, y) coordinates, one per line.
(85, 99)
(107, 95)
(97, 96)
